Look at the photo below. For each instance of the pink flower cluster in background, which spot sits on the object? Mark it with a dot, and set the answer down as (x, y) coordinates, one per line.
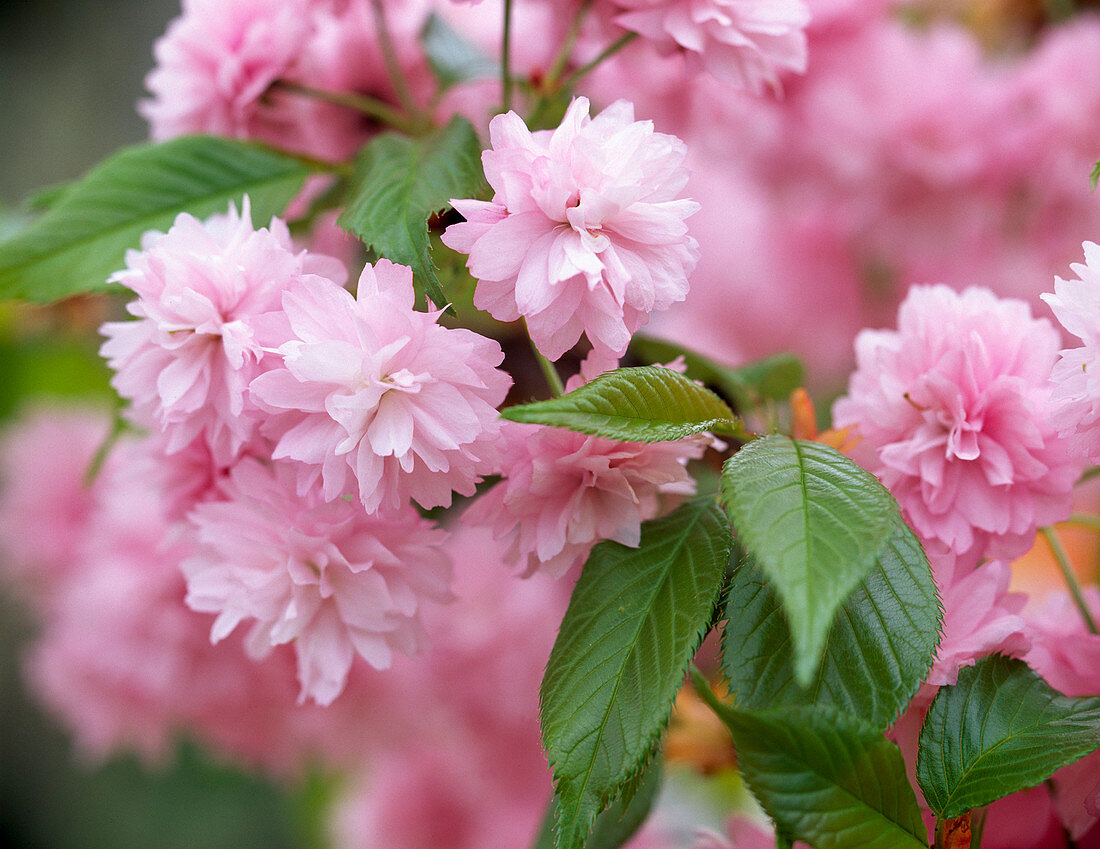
(217, 63)
(743, 42)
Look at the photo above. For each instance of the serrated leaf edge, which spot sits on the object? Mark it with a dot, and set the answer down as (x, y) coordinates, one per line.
(628, 783)
(548, 413)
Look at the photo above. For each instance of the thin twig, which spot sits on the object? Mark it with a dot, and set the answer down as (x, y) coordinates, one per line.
(506, 59)
(1089, 474)
(118, 427)
(567, 45)
(393, 65)
(372, 107)
(1060, 555)
(609, 51)
(549, 371)
(1084, 520)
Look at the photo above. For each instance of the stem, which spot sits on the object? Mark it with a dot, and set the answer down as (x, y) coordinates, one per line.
(1084, 520)
(609, 51)
(977, 827)
(1089, 474)
(118, 427)
(1059, 10)
(567, 45)
(369, 106)
(393, 66)
(506, 59)
(941, 834)
(1060, 555)
(553, 379)
(702, 687)
(782, 842)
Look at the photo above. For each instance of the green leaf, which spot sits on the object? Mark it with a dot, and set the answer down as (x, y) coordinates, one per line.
(815, 522)
(453, 59)
(84, 236)
(772, 378)
(636, 617)
(644, 404)
(615, 826)
(1094, 177)
(827, 778)
(401, 182)
(45, 198)
(879, 649)
(999, 729)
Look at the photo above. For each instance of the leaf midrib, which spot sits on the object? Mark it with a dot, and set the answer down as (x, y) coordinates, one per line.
(679, 542)
(1003, 741)
(146, 220)
(608, 418)
(833, 782)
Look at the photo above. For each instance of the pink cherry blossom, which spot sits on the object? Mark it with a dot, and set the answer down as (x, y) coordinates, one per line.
(744, 42)
(1067, 655)
(325, 575)
(564, 491)
(429, 795)
(743, 832)
(1076, 376)
(376, 395)
(907, 155)
(954, 418)
(981, 617)
(462, 766)
(112, 651)
(584, 233)
(127, 666)
(205, 290)
(45, 501)
(217, 61)
(344, 55)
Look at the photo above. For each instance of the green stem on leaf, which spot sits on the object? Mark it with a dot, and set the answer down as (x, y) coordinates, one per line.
(393, 65)
(372, 107)
(506, 59)
(609, 51)
(1060, 555)
(312, 802)
(782, 842)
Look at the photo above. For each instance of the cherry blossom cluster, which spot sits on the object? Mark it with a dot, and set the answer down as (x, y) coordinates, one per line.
(218, 65)
(317, 416)
(253, 68)
(257, 569)
(294, 425)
